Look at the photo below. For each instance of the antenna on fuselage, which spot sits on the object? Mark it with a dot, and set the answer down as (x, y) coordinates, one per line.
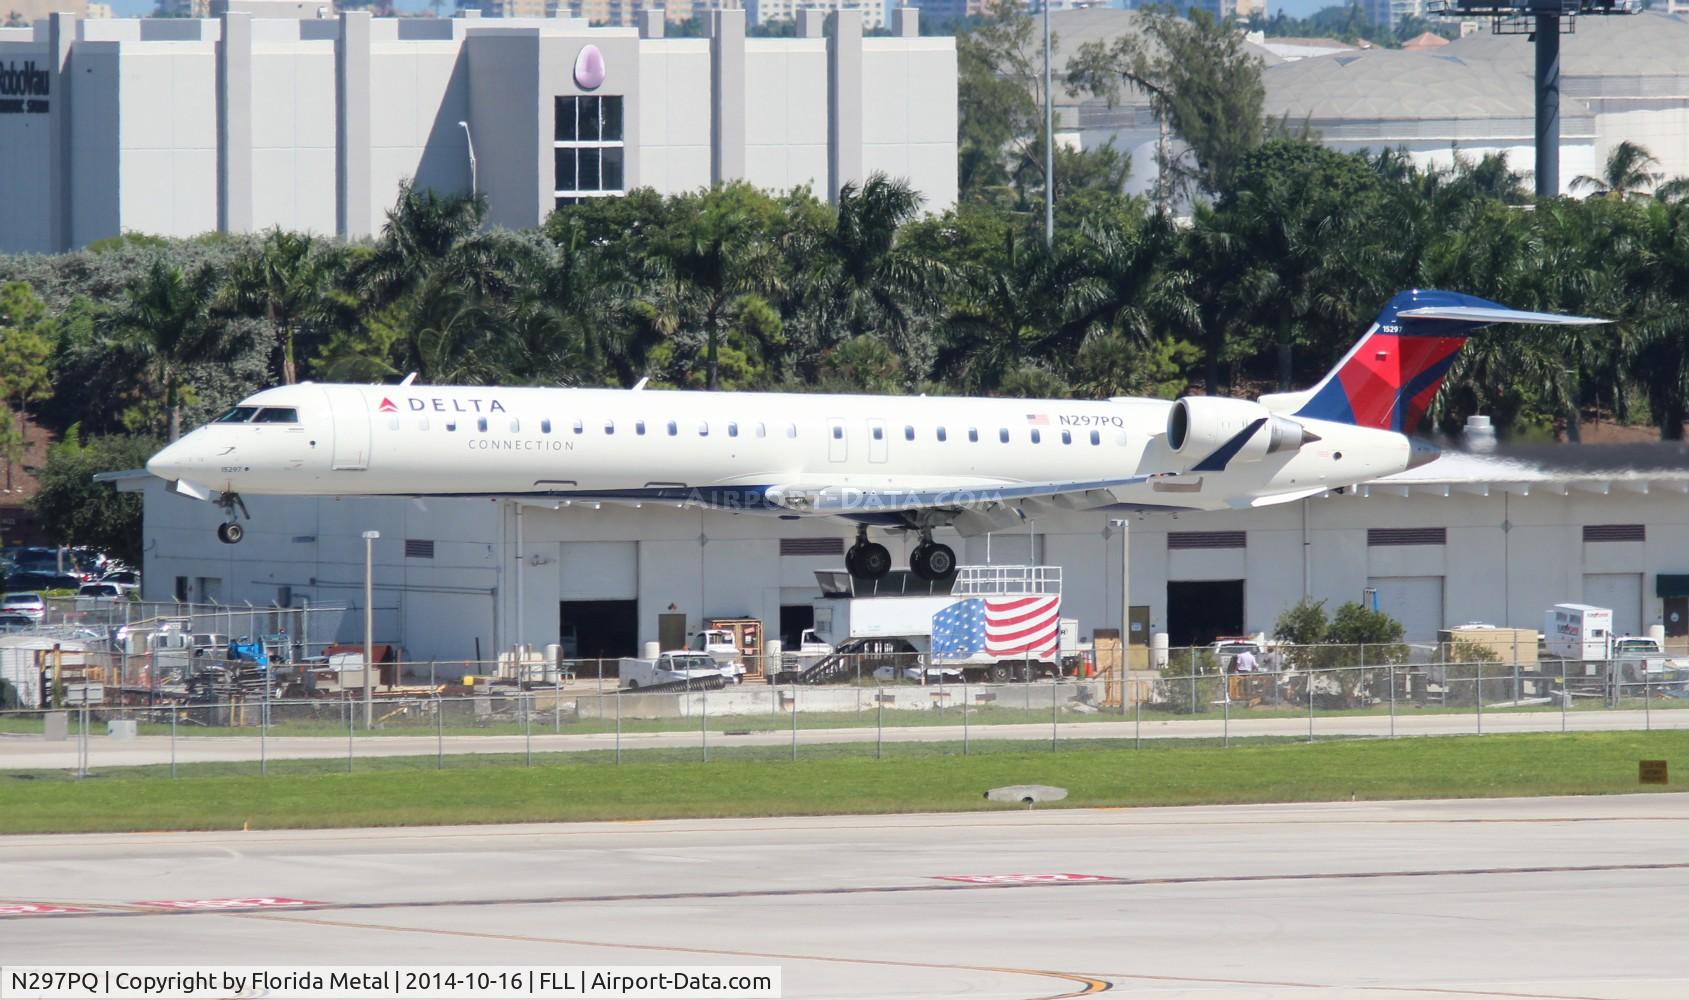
(409, 379)
(640, 384)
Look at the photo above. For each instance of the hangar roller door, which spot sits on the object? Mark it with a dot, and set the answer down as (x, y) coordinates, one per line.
(1620, 591)
(600, 571)
(1415, 601)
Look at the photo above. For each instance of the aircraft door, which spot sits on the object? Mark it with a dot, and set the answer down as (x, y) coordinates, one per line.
(838, 448)
(876, 440)
(351, 428)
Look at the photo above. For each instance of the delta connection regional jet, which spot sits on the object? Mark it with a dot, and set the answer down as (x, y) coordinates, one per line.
(901, 462)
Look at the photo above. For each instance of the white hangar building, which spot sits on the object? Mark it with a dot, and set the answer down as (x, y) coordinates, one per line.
(177, 127)
(1465, 538)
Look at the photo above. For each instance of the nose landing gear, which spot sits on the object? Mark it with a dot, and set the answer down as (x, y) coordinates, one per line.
(230, 532)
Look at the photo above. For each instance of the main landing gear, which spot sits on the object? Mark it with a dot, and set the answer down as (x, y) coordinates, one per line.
(867, 560)
(930, 560)
(230, 532)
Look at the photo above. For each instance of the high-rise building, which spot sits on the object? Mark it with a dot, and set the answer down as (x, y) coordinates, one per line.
(768, 11)
(313, 124)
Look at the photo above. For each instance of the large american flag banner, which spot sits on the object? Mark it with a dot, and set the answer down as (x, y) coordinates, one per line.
(998, 626)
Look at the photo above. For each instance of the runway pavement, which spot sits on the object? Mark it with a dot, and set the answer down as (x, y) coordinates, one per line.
(1532, 898)
(26, 752)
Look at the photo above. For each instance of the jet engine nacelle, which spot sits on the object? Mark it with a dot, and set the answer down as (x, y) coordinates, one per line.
(1198, 426)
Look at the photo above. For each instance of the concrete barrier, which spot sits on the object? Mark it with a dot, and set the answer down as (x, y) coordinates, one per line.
(763, 700)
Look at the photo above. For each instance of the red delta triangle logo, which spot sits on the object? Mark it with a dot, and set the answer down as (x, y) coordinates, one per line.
(387, 406)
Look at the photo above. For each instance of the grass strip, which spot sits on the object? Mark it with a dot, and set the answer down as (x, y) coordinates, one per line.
(575, 787)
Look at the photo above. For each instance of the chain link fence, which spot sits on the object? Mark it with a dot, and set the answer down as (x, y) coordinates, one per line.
(462, 715)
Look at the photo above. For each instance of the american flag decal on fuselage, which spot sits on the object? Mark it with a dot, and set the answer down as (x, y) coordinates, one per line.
(998, 626)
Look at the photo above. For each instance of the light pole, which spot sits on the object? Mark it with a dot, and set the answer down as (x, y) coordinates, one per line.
(369, 626)
(1049, 141)
(474, 188)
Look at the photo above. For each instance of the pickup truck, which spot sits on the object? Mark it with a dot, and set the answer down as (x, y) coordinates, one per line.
(669, 668)
(1635, 655)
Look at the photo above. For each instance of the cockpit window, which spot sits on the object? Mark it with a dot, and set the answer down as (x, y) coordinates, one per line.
(237, 415)
(277, 415)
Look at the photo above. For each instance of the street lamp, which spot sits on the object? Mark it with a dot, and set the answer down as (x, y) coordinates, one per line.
(369, 625)
(1125, 526)
(474, 188)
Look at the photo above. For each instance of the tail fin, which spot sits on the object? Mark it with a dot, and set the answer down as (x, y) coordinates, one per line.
(1387, 381)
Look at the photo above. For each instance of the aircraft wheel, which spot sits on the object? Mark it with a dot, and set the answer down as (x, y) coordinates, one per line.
(230, 533)
(940, 561)
(874, 560)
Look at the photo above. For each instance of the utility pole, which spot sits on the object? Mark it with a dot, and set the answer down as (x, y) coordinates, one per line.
(369, 627)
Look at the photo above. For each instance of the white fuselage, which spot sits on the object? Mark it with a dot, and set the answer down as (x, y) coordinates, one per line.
(357, 440)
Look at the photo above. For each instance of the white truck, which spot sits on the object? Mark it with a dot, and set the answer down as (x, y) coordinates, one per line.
(718, 644)
(878, 625)
(1577, 632)
(684, 668)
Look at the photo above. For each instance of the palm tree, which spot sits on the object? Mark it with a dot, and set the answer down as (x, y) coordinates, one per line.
(288, 280)
(860, 279)
(706, 271)
(1660, 281)
(1005, 316)
(1626, 175)
(167, 323)
(421, 230)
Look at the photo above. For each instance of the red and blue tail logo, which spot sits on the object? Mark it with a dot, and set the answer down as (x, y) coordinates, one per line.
(1387, 381)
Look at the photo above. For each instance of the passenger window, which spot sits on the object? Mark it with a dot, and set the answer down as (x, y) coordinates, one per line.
(451, 425)
(545, 426)
(1035, 437)
(941, 434)
(791, 430)
(674, 428)
(393, 422)
(1120, 437)
(639, 427)
(838, 432)
(421, 423)
(515, 425)
(609, 427)
(1066, 437)
(761, 430)
(1096, 438)
(908, 433)
(1003, 435)
(580, 426)
(973, 435)
(703, 428)
(481, 424)
(732, 429)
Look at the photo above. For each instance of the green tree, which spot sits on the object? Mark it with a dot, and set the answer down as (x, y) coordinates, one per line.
(25, 349)
(166, 324)
(289, 281)
(75, 510)
(998, 91)
(1201, 79)
(1628, 173)
(421, 230)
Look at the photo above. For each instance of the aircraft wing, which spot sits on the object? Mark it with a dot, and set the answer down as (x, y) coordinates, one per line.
(846, 500)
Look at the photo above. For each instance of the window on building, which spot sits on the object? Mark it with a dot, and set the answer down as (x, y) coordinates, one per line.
(588, 151)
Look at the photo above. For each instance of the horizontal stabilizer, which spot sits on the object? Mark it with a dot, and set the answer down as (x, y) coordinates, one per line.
(1497, 314)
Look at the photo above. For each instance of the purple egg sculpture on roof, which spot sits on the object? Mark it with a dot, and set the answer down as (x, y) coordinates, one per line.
(589, 68)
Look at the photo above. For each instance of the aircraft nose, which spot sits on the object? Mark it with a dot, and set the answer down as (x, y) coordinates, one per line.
(171, 462)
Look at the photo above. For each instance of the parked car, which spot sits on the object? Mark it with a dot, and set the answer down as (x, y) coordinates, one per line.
(10, 622)
(106, 591)
(25, 603)
(127, 579)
